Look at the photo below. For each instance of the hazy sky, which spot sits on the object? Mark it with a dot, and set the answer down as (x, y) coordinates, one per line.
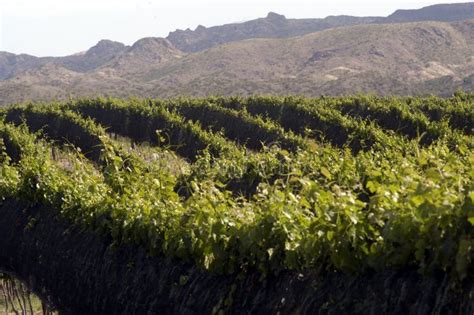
(62, 27)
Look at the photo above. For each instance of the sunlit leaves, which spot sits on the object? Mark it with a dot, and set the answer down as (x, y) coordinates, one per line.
(341, 204)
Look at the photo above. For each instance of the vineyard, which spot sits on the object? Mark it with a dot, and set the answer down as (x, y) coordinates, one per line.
(232, 187)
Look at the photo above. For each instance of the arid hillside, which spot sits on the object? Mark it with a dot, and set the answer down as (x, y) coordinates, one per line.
(272, 55)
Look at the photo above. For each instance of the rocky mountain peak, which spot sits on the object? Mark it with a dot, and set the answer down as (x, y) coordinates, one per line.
(200, 28)
(106, 46)
(272, 16)
(152, 43)
(143, 53)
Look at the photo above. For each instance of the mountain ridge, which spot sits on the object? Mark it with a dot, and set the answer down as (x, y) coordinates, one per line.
(272, 26)
(437, 12)
(384, 58)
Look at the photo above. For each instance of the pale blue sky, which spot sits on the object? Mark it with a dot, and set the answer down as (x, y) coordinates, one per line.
(62, 27)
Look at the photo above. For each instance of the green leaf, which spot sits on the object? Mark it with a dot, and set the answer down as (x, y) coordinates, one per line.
(372, 186)
(471, 195)
(326, 173)
(417, 200)
(471, 220)
(270, 252)
(330, 235)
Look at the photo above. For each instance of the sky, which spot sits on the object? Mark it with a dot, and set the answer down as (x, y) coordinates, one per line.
(64, 27)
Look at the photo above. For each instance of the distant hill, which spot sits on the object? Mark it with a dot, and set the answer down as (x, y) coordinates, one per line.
(423, 57)
(428, 57)
(11, 64)
(272, 26)
(103, 52)
(439, 12)
(278, 26)
(142, 53)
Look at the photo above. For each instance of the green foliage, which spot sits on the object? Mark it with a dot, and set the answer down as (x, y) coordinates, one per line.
(253, 132)
(337, 192)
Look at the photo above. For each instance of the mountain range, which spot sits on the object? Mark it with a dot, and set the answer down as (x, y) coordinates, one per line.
(424, 51)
